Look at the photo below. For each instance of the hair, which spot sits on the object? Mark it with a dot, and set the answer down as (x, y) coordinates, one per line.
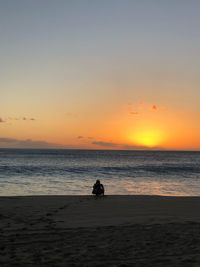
(98, 181)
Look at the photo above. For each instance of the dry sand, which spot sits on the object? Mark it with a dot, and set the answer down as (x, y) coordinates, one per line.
(107, 231)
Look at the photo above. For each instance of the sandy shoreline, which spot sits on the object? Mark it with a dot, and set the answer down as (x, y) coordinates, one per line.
(109, 231)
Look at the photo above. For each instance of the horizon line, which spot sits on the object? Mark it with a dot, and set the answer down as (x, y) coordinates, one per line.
(98, 149)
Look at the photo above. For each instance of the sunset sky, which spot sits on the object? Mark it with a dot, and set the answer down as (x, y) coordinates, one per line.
(113, 74)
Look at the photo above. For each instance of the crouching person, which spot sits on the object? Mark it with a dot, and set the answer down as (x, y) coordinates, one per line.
(98, 189)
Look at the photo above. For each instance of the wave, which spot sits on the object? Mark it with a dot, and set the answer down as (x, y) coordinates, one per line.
(25, 170)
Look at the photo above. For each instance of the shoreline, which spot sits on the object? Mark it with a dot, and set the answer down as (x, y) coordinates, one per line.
(111, 197)
(112, 209)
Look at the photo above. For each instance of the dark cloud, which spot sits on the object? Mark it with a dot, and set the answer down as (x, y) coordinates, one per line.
(1, 120)
(23, 118)
(7, 140)
(27, 143)
(134, 147)
(121, 146)
(105, 144)
(154, 107)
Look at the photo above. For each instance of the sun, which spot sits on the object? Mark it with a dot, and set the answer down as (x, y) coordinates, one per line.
(149, 138)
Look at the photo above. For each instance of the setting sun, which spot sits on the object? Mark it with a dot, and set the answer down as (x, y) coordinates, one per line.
(93, 83)
(148, 138)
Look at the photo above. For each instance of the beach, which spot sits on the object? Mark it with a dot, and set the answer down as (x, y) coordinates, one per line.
(105, 231)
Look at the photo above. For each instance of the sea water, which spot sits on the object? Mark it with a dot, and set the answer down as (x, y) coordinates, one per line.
(73, 172)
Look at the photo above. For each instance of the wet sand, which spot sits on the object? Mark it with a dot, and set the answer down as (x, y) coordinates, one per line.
(107, 231)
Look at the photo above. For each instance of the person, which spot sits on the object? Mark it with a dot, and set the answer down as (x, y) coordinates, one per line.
(98, 189)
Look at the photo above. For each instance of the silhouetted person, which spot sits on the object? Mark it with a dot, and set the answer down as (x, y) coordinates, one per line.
(98, 188)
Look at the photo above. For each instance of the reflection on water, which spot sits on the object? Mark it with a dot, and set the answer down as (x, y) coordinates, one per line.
(60, 172)
(44, 186)
(156, 188)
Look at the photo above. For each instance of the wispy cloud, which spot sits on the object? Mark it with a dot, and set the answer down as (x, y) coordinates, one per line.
(13, 119)
(134, 147)
(1, 120)
(105, 144)
(85, 137)
(28, 119)
(22, 118)
(133, 112)
(141, 107)
(121, 146)
(133, 109)
(27, 143)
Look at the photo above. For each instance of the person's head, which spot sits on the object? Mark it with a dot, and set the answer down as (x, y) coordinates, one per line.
(97, 181)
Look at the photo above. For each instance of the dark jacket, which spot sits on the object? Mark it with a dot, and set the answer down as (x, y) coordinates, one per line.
(98, 189)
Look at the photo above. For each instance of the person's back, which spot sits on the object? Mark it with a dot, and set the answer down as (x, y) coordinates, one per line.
(98, 188)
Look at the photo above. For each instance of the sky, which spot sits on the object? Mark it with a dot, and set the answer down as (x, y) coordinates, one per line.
(110, 74)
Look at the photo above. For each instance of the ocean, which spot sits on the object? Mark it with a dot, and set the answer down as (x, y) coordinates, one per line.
(73, 172)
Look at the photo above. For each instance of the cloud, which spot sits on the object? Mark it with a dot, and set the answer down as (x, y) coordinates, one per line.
(134, 147)
(154, 107)
(7, 140)
(80, 137)
(23, 119)
(141, 107)
(133, 109)
(1, 120)
(105, 144)
(13, 119)
(28, 119)
(134, 112)
(121, 146)
(27, 143)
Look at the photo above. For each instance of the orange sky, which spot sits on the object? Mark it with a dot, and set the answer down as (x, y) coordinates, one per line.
(121, 75)
(131, 126)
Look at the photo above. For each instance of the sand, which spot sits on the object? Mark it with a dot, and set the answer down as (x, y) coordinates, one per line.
(107, 231)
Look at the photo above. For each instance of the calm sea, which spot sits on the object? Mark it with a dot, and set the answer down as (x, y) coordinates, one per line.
(73, 172)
